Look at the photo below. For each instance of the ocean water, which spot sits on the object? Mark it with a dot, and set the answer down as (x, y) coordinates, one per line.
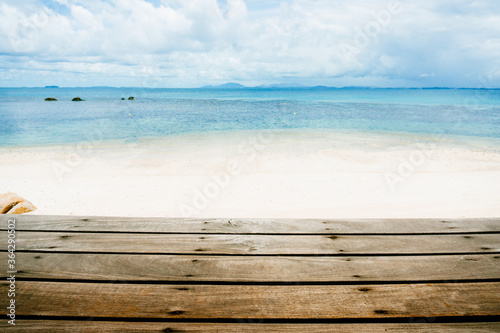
(27, 120)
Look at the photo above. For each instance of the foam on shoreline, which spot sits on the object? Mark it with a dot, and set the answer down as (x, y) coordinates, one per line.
(272, 173)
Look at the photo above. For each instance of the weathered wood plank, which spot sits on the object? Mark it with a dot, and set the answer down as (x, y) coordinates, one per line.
(253, 244)
(254, 302)
(250, 327)
(257, 269)
(251, 226)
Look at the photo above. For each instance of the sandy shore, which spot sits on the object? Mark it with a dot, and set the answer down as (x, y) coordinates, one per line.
(315, 174)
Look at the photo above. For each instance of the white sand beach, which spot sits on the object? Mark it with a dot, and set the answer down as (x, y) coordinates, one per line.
(285, 173)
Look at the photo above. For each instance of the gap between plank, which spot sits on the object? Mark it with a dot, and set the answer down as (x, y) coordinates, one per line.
(267, 255)
(262, 233)
(255, 283)
(257, 321)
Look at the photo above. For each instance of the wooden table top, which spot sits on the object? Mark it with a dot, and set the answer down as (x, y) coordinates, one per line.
(250, 275)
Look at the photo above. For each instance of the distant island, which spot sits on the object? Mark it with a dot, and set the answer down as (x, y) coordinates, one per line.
(283, 85)
(229, 85)
(293, 85)
(234, 85)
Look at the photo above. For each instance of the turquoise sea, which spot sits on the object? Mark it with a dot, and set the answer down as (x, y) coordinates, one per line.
(27, 120)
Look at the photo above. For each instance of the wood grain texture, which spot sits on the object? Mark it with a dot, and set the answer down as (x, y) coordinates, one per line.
(251, 226)
(250, 327)
(184, 269)
(254, 302)
(252, 269)
(253, 244)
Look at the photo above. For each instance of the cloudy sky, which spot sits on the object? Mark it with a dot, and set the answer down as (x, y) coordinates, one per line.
(191, 43)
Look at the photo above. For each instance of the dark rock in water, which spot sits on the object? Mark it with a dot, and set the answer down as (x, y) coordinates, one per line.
(77, 99)
(131, 98)
(123, 99)
(50, 99)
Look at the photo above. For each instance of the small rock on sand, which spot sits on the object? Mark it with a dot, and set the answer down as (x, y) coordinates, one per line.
(11, 203)
(22, 207)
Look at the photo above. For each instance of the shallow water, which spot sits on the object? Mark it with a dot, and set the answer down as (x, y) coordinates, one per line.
(26, 119)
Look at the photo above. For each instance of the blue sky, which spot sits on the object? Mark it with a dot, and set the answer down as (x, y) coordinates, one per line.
(191, 43)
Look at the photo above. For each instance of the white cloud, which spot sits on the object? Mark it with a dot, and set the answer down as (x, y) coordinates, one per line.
(195, 42)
